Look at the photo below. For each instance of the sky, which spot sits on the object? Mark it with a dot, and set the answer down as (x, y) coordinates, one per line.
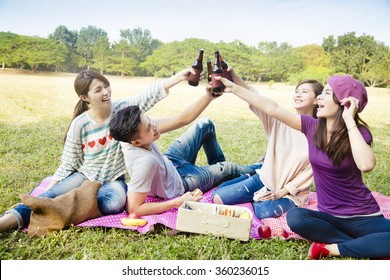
(297, 22)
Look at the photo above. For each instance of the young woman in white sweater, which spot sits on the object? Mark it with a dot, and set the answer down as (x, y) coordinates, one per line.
(283, 182)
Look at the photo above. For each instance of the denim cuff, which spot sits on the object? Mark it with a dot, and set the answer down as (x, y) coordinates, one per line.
(17, 216)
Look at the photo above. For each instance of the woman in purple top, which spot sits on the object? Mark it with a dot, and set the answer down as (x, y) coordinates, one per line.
(349, 221)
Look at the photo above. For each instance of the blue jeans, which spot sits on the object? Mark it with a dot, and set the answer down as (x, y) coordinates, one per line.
(111, 196)
(184, 151)
(360, 237)
(241, 190)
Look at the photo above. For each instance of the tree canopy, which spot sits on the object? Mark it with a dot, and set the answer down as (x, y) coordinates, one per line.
(137, 53)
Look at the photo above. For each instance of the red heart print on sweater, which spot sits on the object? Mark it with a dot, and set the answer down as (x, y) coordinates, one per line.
(102, 141)
(91, 144)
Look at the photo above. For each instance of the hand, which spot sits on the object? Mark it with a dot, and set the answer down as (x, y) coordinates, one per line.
(351, 105)
(261, 194)
(228, 84)
(269, 196)
(177, 78)
(210, 92)
(265, 194)
(189, 197)
(233, 73)
(183, 74)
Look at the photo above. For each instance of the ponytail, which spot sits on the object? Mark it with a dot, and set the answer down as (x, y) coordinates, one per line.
(80, 108)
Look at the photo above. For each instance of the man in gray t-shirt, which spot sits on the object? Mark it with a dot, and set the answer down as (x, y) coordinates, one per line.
(172, 175)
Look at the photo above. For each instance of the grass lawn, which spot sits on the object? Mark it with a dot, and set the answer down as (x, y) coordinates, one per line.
(35, 112)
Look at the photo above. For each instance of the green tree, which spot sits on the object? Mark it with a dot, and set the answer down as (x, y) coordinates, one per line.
(329, 44)
(122, 59)
(241, 57)
(377, 70)
(55, 55)
(361, 57)
(67, 38)
(316, 64)
(166, 59)
(35, 52)
(141, 43)
(86, 41)
(30, 52)
(101, 50)
(137, 53)
(278, 62)
(18, 58)
(313, 56)
(8, 45)
(174, 56)
(312, 72)
(349, 54)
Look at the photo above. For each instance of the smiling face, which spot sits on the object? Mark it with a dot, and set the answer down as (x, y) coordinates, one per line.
(148, 133)
(327, 107)
(304, 99)
(99, 95)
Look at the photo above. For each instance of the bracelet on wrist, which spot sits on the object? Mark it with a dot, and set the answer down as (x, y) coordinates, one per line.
(352, 127)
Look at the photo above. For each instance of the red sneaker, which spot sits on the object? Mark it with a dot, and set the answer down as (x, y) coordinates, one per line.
(318, 251)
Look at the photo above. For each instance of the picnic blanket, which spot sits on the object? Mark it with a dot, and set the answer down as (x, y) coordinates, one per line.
(168, 218)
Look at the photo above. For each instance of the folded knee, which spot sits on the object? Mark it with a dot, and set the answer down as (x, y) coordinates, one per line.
(111, 203)
(206, 124)
(294, 218)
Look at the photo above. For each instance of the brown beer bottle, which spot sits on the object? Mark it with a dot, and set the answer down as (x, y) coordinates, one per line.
(193, 79)
(209, 70)
(217, 86)
(224, 65)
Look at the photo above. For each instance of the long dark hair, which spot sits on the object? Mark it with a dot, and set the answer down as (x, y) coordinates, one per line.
(81, 86)
(339, 145)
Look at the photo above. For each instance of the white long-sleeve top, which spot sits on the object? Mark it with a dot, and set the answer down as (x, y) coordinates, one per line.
(286, 163)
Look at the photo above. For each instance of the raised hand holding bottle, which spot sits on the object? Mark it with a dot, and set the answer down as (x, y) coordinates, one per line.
(217, 86)
(193, 79)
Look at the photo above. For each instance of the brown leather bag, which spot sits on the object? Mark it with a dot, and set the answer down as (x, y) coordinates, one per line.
(53, 214)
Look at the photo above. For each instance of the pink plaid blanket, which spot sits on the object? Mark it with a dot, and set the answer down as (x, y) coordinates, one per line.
(168, 218)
